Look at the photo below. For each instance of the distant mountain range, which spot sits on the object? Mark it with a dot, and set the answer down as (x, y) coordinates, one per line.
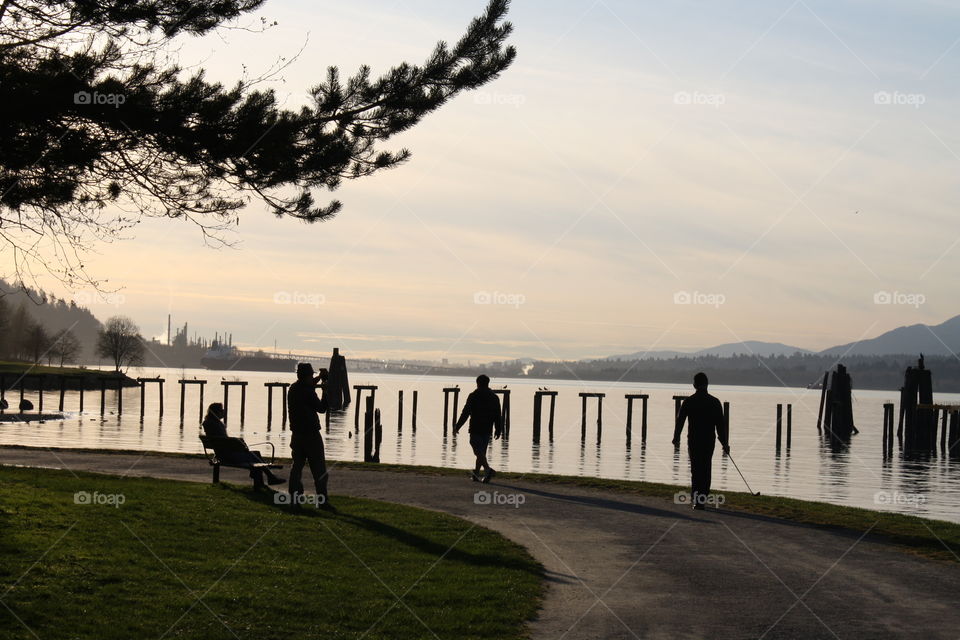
(942, 340)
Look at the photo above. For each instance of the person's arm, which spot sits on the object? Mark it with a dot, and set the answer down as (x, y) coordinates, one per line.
(467, 408)
(681, 418)
(721, 426)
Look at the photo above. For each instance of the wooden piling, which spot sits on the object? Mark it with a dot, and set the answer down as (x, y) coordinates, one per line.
(40, 385)
(63, 391)
(779, 425)
(226, 398)
(359, 389)
(447, 393)
(183, 386)
(400, 412)
(583, 414)
(504, 411)
(643, 429)
(413, 414)
(789, 425)
(103, 395)
(823, 397)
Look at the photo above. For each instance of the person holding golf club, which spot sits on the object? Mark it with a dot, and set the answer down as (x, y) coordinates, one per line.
(705, 414)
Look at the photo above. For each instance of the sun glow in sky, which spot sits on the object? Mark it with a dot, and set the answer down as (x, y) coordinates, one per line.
(646, 175)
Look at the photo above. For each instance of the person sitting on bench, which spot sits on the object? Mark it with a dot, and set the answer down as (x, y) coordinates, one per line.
(214, 426)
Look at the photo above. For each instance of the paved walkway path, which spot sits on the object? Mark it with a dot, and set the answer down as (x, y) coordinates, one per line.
(621, 566)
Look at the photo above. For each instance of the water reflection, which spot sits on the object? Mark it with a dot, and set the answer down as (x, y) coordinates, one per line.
(815, 467)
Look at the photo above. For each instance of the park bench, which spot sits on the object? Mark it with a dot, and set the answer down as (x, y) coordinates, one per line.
(229, 452)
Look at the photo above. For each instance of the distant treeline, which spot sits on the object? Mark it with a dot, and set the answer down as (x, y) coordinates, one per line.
(799, 370)
(36, 327)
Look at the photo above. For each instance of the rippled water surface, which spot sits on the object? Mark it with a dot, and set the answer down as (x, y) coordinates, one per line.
(856, 476)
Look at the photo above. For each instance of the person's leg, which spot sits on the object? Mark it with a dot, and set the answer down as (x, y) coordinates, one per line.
(318, 467)
(696, 475)
(296, 470)
(707, 469)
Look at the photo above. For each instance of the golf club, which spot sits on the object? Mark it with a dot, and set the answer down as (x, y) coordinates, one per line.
(756, 493)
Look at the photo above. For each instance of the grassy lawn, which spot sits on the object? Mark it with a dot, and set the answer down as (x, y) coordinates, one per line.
(188, 560)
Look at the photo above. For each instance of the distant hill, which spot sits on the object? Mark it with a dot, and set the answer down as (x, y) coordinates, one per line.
(747, 348)
(942, 340)
(54, 314)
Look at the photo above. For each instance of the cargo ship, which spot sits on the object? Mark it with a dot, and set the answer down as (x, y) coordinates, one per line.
(222, 357)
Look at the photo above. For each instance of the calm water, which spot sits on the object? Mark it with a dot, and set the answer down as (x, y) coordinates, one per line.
(810, 471)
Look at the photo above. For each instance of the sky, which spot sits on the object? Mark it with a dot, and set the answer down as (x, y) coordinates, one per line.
(646, 175)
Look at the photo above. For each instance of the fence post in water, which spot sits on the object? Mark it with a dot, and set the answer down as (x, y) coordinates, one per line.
(40, 381)
(887, 429)
(779, 424)
(63, 390)
(119, 396)
(103, 395)
(142, 405)
(954, 441)
(183, 387)
(400, 412)
(283, 414)
(81, 396)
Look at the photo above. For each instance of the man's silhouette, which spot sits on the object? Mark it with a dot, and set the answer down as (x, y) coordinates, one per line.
(483, 409)
(706, 424)
(306, 443)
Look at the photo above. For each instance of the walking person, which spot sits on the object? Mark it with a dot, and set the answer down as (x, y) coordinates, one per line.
(483, 409)
(306, 443)
(707, 425)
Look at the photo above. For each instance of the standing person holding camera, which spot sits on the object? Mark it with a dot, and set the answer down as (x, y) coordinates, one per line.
(306, 443)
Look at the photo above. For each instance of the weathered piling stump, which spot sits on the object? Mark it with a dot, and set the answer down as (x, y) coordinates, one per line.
(413, 414)
(583, 414)
(226, 398)
(643, 397)
(372, 431)
(887, 429)
(183, 387)
(538, 413)
(270, 386)
(337, 390)
(400, 412)
(504, 411)
(837, 414)
(919, 416)
(449, 392)
(677, 401)
(359, 389)
(143, 389)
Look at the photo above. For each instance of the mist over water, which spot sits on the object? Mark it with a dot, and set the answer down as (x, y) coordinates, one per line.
(810, 470)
